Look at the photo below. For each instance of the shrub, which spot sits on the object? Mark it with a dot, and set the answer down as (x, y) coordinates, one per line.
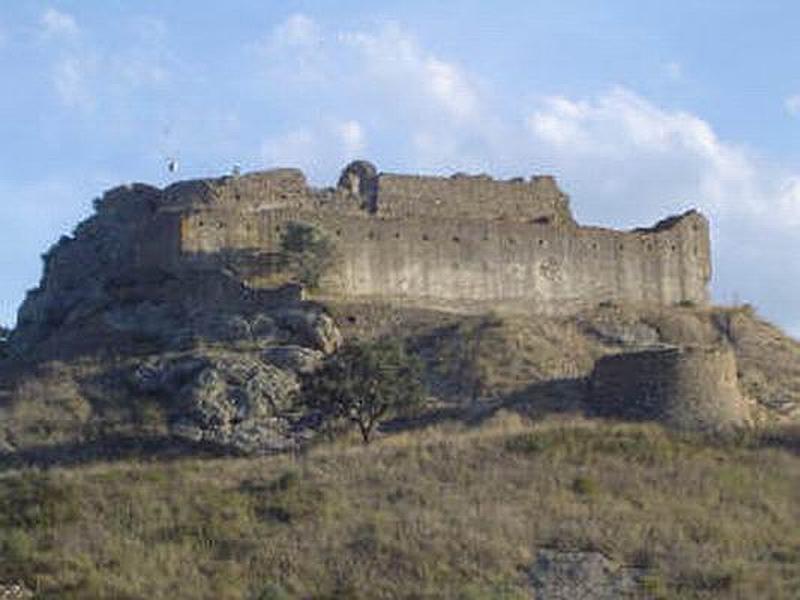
(365, 382)
(273, 591)
(37, 501)
(584, 486)
(306, 252)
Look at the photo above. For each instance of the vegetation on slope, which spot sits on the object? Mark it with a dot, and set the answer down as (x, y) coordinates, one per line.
(539, 364)
(448, 512)
(364, 383)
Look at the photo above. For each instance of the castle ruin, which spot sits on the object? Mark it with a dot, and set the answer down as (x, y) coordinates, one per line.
(691, 387)
(466, 243)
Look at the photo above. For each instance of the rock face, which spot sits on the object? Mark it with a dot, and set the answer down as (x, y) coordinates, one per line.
(219, 359)
(226, 399)
(15, 591)
(560, 575)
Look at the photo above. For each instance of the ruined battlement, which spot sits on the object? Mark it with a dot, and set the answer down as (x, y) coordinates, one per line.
(693, 387)
(460, 242)
(459, 196)
(467, 243)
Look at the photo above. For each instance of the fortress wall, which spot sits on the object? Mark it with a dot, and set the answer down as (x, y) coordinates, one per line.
(278, 188)
(688, 388)
(464, 263)
(217, 230)
(551, 270)
(471, 197)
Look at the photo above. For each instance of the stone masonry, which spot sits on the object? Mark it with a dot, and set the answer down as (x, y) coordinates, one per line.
(691, 387)
(467, 243)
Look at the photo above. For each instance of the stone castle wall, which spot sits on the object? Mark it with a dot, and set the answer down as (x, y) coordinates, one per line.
(460, 242)
(278, 188)
(688, 388)
(471, 197)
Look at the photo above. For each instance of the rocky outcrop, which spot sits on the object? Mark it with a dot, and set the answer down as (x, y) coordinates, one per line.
(560, 575)
(217, 358)
(15, 591)
(228, 399)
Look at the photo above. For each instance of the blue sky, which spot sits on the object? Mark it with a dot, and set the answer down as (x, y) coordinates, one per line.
(640, 109)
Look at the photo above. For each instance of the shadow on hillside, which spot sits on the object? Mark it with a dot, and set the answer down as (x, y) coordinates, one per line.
(538, 400)
(786, 437)
(109, 449)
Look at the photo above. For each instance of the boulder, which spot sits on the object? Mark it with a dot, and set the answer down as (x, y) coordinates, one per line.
(294, 358)
(228, 399)
(559, 575)
(311, 328)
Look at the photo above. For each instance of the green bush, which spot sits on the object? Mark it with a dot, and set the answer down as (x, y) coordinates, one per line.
(306, 252)
(37, 501)
(364, 383)
(584, 486)
(273, 591)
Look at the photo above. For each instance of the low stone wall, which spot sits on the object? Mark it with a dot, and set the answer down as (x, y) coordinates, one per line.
(692, 388)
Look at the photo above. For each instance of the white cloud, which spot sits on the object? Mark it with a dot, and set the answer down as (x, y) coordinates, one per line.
(55, 24)
(632, 144)
(628, 161)
(293, 52)
(71, 81)
(393, 80)
(792, 104)
(394, 58)
(87, 75)
(298, 31)
(617, 147)
(353, 138)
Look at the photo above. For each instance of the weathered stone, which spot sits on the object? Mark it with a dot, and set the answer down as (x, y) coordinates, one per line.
(692, 388)
(559, 575)
(228, 399)
(309, 328)
(294, 358)
(624, 334)
(15, 591)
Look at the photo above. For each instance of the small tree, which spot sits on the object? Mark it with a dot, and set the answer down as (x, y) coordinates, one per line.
(306, 252)
(364, 382)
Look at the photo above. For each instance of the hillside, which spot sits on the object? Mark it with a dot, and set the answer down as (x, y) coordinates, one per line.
(489, 511)
(531, 364)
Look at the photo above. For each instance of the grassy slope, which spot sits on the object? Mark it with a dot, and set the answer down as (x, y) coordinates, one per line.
(448, 512)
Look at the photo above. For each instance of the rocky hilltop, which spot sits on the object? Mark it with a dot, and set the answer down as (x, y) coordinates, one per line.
(166, 316)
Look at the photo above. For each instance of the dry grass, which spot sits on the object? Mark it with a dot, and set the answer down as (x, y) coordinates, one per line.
(510, 353)
(448, 512)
